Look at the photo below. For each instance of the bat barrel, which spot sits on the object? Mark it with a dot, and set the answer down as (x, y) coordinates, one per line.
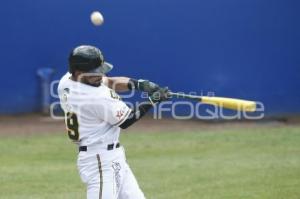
(231, 103)
(228, 103)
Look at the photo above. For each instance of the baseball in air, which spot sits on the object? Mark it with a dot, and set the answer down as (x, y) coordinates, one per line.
(97, 18)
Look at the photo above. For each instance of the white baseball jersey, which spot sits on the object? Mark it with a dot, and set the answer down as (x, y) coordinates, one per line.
(93, 118)
(93, 113)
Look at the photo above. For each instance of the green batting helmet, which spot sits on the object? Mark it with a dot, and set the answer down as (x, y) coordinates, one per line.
(88, 59)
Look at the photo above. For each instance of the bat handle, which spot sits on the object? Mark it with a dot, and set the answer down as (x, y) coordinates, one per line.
(183, 95)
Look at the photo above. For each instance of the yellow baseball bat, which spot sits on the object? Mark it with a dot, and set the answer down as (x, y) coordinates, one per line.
(228, 103)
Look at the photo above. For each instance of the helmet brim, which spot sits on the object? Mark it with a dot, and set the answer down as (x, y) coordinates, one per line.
(105, 68)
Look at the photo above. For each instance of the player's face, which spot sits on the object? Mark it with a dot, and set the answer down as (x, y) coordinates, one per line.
(92, 79)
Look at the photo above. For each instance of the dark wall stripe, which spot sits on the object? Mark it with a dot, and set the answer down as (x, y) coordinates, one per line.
(101, 176)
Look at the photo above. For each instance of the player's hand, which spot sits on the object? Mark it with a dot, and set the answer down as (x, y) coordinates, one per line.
(147, 86)
(162, 94)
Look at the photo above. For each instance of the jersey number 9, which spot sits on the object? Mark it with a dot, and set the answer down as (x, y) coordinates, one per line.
(72, 126)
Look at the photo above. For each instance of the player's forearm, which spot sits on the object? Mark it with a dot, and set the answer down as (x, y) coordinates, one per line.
(119, 84)
(136, 114)
(157, 97)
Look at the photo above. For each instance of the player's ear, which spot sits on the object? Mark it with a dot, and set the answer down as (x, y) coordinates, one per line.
(77, 75)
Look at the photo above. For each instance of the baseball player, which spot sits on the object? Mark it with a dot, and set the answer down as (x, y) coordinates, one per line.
(94, 115)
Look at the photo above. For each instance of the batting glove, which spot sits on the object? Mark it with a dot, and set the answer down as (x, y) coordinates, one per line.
(143, 85)
(162, 94)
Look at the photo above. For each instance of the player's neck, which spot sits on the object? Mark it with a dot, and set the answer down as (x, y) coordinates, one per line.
(73, 78)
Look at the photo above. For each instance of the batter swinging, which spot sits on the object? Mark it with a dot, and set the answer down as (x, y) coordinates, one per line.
(94, 115)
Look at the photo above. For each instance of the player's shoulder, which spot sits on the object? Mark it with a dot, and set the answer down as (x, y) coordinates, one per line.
(103, 95)
(82, 90)
(63, 82)
(104, 92)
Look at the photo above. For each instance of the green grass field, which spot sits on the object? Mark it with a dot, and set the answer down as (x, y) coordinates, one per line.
(252, 163)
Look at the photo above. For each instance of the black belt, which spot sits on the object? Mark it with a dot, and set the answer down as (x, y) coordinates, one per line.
(109, 147)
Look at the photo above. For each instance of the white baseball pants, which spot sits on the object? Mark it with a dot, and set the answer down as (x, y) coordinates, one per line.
(107, 175)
